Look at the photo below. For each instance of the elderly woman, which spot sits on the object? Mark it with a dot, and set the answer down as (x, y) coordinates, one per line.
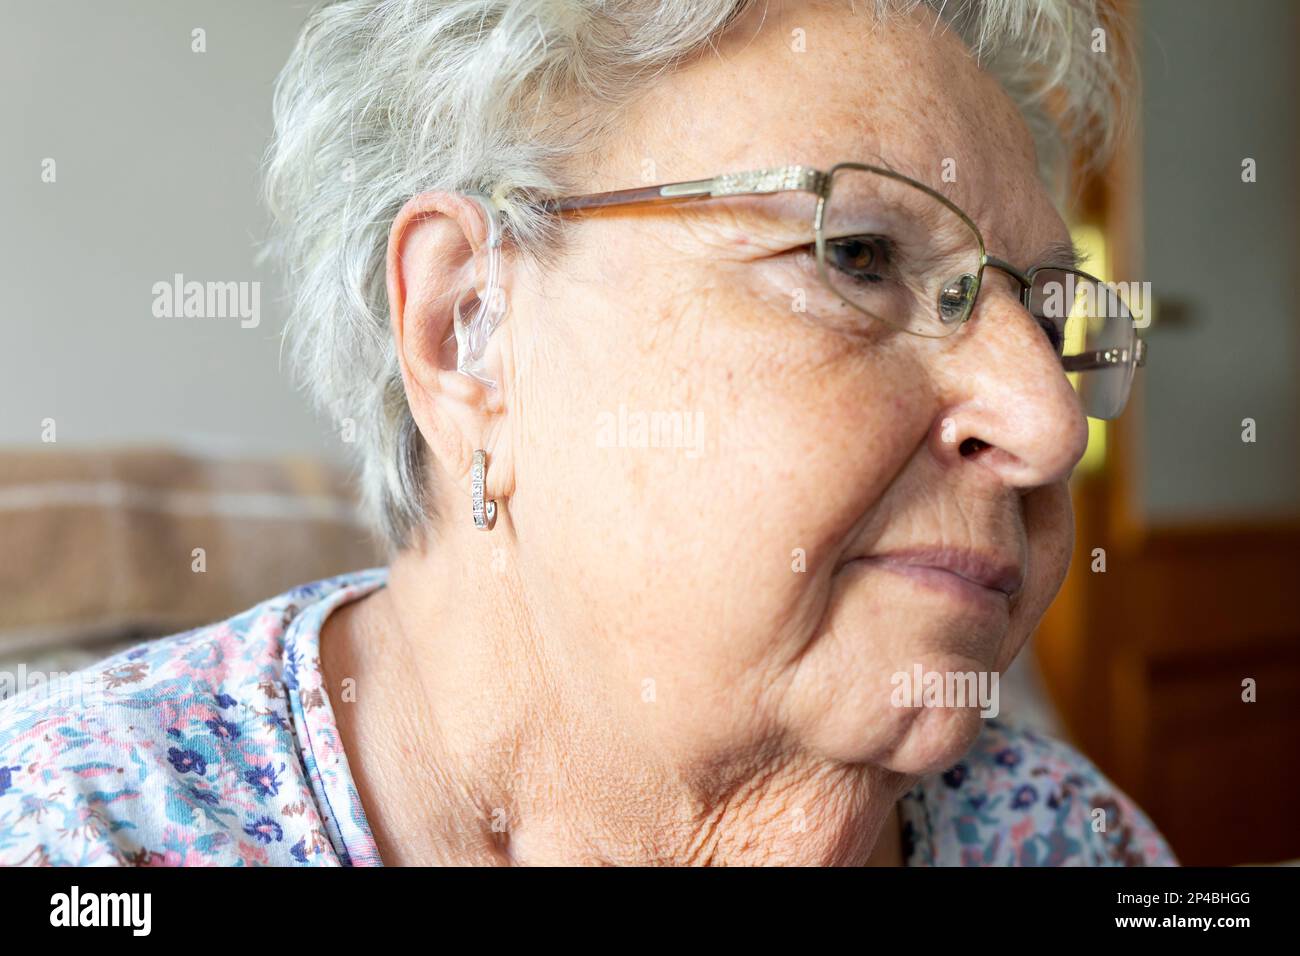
(713, 384)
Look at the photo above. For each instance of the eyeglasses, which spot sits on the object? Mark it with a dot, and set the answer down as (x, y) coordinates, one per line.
(895, 250)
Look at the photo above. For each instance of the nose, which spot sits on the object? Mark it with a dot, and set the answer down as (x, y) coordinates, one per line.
(1006, 403)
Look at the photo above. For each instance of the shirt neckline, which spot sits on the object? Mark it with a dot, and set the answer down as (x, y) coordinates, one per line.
(323, 756)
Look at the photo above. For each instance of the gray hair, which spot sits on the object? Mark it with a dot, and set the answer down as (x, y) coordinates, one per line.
(384, 99)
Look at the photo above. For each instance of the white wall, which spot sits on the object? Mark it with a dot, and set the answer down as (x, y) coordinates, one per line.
(1222, 85)
(157, 151)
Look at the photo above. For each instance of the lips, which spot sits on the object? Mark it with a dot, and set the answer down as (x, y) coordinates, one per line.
(986, 569)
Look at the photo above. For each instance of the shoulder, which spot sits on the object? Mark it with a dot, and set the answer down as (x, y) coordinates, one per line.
(181, 750)
(1020, 798)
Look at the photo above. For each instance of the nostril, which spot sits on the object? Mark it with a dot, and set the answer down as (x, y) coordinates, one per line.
(972, 446)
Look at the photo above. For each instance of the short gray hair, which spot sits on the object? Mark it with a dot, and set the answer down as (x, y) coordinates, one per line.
(384, 99)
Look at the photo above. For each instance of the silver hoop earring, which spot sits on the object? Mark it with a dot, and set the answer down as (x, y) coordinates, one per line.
(485, 514)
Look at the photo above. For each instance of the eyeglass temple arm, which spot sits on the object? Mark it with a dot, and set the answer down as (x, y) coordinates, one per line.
(1084, 361)
(777, 179)
(1104, 358)
(626, 197)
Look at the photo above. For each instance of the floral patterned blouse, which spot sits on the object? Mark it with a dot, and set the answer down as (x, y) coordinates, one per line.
(219, 747)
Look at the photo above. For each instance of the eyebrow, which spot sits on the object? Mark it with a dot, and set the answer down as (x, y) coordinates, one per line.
(1062, 253)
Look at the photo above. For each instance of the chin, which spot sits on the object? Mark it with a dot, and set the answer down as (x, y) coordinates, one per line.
(867, 683)
(934, 739)
(912, 741)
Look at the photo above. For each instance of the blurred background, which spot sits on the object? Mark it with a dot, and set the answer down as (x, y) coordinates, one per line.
(1194, 494)
(137, 450)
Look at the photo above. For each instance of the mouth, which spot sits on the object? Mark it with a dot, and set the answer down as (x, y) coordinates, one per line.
(973, 573)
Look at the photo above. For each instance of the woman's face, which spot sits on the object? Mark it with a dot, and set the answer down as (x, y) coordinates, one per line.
(824, 516)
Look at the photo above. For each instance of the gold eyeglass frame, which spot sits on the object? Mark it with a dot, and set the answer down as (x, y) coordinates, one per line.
(807, 179)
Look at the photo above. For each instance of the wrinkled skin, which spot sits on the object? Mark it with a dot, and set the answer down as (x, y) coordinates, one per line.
(628, 668)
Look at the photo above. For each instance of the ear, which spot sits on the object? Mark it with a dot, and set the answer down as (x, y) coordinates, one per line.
(437, 256)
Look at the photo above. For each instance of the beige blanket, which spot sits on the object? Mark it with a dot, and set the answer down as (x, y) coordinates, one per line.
(101, 546)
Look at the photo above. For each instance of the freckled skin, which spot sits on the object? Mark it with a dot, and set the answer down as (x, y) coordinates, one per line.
(648, 680)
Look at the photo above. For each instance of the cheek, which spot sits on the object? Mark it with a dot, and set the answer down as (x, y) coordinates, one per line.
(731, 451)
(1049, 521)
(1049, 525)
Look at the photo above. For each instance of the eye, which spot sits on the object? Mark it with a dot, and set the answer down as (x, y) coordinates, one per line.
(861, 258)
(1054, 333)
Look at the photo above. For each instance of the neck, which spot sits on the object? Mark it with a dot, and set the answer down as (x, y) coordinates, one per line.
(475, 738)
